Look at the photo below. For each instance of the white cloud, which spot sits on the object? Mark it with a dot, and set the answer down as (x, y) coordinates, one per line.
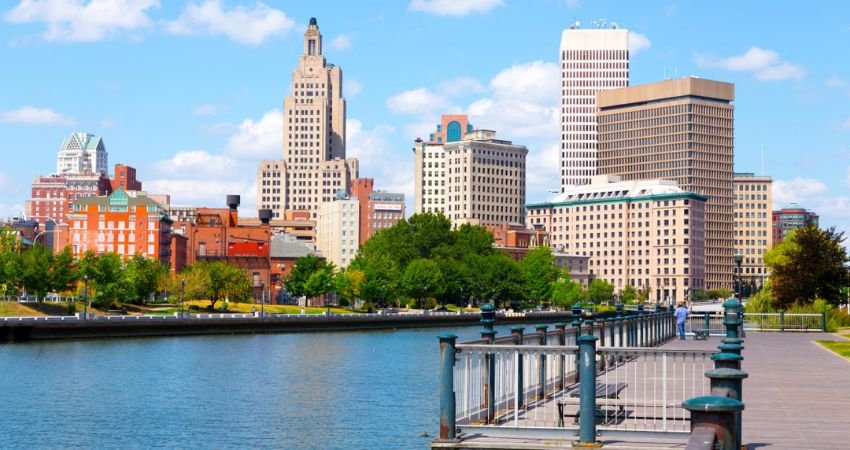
(372, 148)
(79, 21)
(460, 86)
(259, 139)
(243, 24)
(453, 7)
(341, 42)
(765, 65)
(812, 194)
(108, 124)
(206, 192)
(573, 4)
(35, 116)
(836, 82)
(535, 82)
(205, 110)
(219, 128)
(196, 162)
(638, 42)
(351, 87)
(416, 101)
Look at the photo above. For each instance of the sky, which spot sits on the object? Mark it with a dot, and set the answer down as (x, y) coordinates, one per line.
(190, 92)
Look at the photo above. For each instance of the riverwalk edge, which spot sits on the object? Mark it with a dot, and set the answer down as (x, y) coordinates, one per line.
(35, 329)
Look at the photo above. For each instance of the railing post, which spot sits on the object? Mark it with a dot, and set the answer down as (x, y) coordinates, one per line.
(576, 323)
(587, 390)
(823, 321)
(718, 414)
(727, 361)
(621, 321)
(611, 338)
(728, 383)
(517, 332)
(781, 321)
(707, 318)
(640, 324)
(488, 377)
(448, 425)
(562, 360)
(541, 363)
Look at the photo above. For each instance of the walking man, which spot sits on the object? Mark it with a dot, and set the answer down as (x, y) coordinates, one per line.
(681, 315)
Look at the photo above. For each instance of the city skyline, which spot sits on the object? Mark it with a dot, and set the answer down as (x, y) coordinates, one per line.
(193, 101)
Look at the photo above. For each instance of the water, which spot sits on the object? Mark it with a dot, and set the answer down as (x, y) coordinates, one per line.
(353, 390)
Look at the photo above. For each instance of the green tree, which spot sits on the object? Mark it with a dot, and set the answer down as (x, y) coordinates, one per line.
(320, 282)
(505, 283)
(566, 292)
(305, 266)
(643, 293)
(63, 271)
(35, 270)
(810, 265)
(382, 278)
(141, 276)
(600, 290)
(539, 270)
(10, 279)
(629, 294)
(108, 279)
(227, 282)
(348, 284)
(421, 279)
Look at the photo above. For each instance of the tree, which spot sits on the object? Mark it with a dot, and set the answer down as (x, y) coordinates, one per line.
(810, 265)
(226, 282)
(565, 291)
(600, 290)
(9, 261)
(35, 270)
(107, 279)
(141, 276)
(539, 270)
(305, 267)
(382, 278)
(628, 295)
(505, 282)
(349, 283)
(63, 271)
(421, 279)
(643, 293)
(320, 282)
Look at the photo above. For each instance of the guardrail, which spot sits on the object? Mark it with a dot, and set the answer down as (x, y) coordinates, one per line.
(711, 321)
(784, 322)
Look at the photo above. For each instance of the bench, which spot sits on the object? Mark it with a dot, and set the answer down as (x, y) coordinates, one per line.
(701, 334)
(603, 390)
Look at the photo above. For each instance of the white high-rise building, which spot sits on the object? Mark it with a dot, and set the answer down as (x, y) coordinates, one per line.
(592, 60)
(314, 167)
(338, 237)
(82, 153)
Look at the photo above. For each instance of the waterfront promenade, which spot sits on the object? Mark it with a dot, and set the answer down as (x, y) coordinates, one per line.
(797, 396)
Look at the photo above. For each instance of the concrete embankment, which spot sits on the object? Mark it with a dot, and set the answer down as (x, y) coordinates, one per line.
(27, 329)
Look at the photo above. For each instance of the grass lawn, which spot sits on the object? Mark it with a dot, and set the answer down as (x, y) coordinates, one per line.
(232, 307)
(840, 347)
(14, 309)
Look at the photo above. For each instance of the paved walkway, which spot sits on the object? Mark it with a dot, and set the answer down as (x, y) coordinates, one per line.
(797, 395)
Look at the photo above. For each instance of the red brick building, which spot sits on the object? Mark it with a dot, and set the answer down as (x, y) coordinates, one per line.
(124, 177)
(378, 209)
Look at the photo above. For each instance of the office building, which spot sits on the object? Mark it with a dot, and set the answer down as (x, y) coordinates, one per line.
(789, 218)
(338, 237)
(82, 153)
(592, 60)
(314, 167)
(485, 180)
(753, 225)
(643, 233)
(378, 209)
(680, 130)
(430, 163)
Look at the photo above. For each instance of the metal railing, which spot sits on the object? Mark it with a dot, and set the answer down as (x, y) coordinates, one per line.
(711, 321)
(784, 322)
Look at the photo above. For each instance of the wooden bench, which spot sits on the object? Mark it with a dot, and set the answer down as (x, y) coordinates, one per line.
(701, 334)
(603, 390)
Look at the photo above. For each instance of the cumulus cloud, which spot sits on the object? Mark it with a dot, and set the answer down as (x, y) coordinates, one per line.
(765, 65)
(341, 42)
(638, 42)
(246, 25)
(196, 162)
(416, 101)
(79, 21)
(259, 139)
(372, 147)
(813, 194)
(535, 82)
(455, 8)
(461, 86)
(35, 116)
(207, 192)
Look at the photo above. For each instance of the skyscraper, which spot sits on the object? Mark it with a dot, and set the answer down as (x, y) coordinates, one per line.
(82, 153)
(430, 163)
(591, 61)
(681, 130)
(753, 200)
(314, 167)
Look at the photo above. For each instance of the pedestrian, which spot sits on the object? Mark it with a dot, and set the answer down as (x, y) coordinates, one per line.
(681, 315)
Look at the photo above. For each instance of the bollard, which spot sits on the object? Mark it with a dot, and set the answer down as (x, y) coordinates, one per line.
(562, 360)
(488, 376)
(731, 348)
(447, 394)
(488, 316)
(587, 391)
(732, 318)
(717, 414)
(728, 383)
(520, 383)
(727, 361)
(541, 364)
(781, 321)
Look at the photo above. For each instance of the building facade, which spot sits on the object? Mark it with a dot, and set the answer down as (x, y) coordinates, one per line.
(643, 233)
(592, 60)
(124, 177)
(680, 130)
(314, 167)
(82, 153)
(753, 223)
(485, 180)
(119, 223)
(338, 236)
(430, 163)
(789, 218)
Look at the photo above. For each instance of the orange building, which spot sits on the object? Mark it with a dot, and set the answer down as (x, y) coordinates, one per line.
(452, 127)
(124, 177)
(378, 209)
(119, 223)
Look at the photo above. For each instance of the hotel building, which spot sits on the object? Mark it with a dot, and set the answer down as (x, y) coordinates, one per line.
(430, 163)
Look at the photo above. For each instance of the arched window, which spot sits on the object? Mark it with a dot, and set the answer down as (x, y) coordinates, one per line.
(453, 131)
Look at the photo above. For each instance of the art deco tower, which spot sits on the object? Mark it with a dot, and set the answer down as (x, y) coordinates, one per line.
(314, 167)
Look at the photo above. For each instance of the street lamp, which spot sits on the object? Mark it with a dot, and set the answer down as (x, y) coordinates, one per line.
(738, 258)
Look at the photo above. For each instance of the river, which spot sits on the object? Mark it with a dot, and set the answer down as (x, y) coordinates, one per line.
(352, 390)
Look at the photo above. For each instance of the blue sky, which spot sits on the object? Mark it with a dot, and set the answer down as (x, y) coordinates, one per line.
(189, 92)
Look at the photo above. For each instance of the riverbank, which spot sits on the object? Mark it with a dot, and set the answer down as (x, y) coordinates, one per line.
(17, 329)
